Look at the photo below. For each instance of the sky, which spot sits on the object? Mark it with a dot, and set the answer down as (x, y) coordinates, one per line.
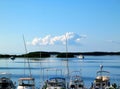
(48, 25)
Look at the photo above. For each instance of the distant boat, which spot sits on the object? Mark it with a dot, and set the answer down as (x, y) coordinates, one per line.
(6, 82)
(80, 56)
(102, 80)
(12, 58)
(76, 81)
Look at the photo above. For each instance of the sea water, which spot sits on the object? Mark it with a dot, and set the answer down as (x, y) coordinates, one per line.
(42, 68)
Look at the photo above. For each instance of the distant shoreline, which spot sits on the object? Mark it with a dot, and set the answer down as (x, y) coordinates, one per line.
(43, 54)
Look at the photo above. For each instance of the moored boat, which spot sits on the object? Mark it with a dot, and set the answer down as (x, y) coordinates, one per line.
(102, 80)
(12, 58)
(55, 82)
(26, 83)
(76, 81)
(6, 82)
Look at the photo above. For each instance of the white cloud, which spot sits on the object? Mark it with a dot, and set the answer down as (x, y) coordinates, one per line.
(72, 38)
(35, 41)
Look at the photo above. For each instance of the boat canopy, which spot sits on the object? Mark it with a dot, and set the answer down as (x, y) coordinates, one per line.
(20, 79)
(103, 73)
(57, 77)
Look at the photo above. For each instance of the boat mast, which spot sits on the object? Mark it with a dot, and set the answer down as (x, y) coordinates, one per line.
(67, 56)
(28, 58)
(41, 71)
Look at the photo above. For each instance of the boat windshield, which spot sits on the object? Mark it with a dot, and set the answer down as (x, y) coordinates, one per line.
(103, 73)
(26, 81)
(56, 81)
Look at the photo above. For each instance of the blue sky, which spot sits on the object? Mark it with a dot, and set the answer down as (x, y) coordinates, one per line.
(91, 25)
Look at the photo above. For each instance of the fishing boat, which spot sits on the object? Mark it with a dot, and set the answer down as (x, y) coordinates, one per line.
(76, 81)
(102, 80)
(55, 82)
(6, 82)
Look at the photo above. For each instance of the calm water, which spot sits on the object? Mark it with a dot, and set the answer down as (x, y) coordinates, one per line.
(45, 67)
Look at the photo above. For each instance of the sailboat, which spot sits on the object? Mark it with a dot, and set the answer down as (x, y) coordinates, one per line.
(26, 82)
(6, 82)
(74, 79)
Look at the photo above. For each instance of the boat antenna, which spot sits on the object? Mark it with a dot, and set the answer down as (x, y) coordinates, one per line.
(28, 58)
(101, 67)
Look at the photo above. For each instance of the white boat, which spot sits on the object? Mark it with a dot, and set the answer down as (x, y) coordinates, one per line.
(102, 80)
(80, 56)
(26, 83)
(55, 82)
(6, 82)
(76, 81)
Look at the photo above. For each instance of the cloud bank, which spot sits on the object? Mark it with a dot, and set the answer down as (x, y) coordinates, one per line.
(72, 39)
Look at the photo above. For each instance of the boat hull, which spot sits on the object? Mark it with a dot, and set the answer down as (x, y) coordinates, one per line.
(24, 87)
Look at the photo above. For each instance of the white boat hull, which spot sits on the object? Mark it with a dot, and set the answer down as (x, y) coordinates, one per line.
(55, 88)
(24, 87)
(26, 83)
